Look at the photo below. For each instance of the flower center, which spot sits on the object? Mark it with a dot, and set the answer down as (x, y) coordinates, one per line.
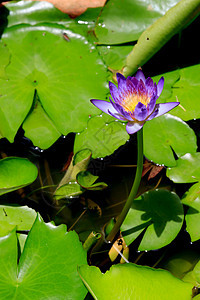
(130, 101)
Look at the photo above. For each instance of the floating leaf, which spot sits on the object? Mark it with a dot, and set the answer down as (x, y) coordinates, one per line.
(58, 76)
(160, 212)
(36, 12)
(47, 266)
(192, 218)
(165, 133)
(130, 281)
(186, 90)
(129, 19)
(100, 137)
(187, 169)
(15, 173)
(21, 217)
(40, 129)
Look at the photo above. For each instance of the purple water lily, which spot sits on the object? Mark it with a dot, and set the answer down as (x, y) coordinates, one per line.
(135, 101)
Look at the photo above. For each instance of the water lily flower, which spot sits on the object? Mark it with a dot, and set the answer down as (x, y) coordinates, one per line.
(135, 101)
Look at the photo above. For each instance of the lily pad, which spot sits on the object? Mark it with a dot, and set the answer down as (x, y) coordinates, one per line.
(186, 90)
(19, 217)
(187, 169)
(124, 21)
(58, 76)
(47, 248)
(130, 281)
(160, 213)
(165, 133)
(101, 138)
(15, 173)
(192, 218)
(40, 129)
(32, 12)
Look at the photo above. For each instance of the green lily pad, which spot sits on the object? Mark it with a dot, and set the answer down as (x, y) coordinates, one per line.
(47, 267)
(186, 90)
(31, 12)
(187, 169)
(15, 173)
(100, 137)
(192, 218)
(130, 281)
(165, 133)
(124, 21)
(40, 129)
(160, 212)
(58, 76)
(21, 217)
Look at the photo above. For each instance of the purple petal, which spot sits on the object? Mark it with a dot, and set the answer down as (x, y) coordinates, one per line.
(117, 116)
(151, 105)
(121, 81)
(114, 91)
(140, 112)
(160, 86)
(121, 111)
(163, 108)
(150, 86)
(140, 76)
(104, 106)
(133, 127)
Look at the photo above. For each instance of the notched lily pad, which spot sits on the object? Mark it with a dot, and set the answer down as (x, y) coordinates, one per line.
(165, 133)
(59, 76)
(47, 248)
(160, 212)
(187, 169)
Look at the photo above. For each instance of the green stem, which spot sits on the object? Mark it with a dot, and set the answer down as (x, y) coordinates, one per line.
(134, 188)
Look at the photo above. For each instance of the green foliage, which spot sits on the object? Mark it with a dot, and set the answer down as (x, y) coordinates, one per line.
(19, 217)
(16, 173)
(101, 137)
(159, 213)
(173, 134)
(131, 281)
(129, 19)
(187, 169)
(47, 267)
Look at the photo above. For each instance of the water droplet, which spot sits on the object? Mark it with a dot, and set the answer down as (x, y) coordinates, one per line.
(191, 243)
(145, 251)
(138, 251)
(70, 182)
(108, 47)
(101, 158)
(100, 115)
(64, 136)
